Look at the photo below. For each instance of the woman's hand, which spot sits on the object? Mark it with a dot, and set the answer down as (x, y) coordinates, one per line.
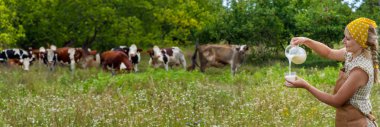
(298, 83)
(298, 41)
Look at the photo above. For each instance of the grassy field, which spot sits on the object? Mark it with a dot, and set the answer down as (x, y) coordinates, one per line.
(256, 96)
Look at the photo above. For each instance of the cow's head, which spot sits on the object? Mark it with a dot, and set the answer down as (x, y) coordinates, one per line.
(26, 63)
(26, 58)
(241, 52)
(132, 50)
(157, 53)
(48, 55)
(242, 49)
(127, 66)
(51, 58)
(41, 53)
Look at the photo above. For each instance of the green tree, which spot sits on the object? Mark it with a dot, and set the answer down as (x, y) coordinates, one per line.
(369, 9)
(10, 30)
(180, 20)
(77, 23)
(323, 21)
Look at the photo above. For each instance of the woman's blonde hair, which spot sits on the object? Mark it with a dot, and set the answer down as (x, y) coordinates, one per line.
(373, 45)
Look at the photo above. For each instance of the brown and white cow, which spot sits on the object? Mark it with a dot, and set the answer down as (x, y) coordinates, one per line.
(219, 55)
(133, 54)
(72, 56)
(115, 60)
(166, 57)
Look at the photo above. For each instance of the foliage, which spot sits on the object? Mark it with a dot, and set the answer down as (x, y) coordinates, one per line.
(369, 9)
(103, 24)
(10, 30)
(323, 21)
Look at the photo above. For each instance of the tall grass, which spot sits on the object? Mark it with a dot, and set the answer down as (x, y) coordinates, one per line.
(256, 96)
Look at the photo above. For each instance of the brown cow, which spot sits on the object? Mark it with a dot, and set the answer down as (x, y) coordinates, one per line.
(218, 56)
(166, 57)
(117, 60)
(133, 53)
(72, 56)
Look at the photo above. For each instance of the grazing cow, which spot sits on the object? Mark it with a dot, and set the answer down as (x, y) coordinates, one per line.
(67, 55)
(166, 57)
(22, 56)
(133, 54)
(117, 60)
(218, 56)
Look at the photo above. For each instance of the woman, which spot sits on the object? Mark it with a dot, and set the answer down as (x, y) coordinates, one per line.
(352, 91)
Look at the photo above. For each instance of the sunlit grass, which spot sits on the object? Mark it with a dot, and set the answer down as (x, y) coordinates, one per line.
(256, 96)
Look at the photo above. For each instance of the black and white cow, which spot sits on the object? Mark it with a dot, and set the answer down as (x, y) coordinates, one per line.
(166, 57)
(133, 54)
(22, 56)
(122, 48)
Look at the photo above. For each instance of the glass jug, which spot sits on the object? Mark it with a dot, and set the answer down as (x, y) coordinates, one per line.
(295, 54)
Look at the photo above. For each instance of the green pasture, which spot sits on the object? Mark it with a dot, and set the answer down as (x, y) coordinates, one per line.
(256, 96)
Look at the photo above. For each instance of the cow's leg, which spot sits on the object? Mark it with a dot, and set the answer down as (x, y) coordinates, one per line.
(122, 66)
(72, 65)
(104, 66)
(183, 61)
(203, 61)
(203, 65)
(233, 68)
(71, 53)
(112, 70)
(150, 62)
(135, 67)
(166, 66)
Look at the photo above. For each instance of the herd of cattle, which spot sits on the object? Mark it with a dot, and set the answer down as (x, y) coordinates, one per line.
(126, 58)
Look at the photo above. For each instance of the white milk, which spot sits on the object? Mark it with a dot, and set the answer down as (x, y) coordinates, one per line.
(290, 57)
(290, 77)
(298, 59)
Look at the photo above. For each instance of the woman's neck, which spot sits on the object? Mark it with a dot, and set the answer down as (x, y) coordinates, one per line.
(357, 53)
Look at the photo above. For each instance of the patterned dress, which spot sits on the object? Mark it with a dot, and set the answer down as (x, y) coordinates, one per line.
(360, 99)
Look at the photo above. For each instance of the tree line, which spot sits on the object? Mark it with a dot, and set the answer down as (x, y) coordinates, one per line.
(102, 24)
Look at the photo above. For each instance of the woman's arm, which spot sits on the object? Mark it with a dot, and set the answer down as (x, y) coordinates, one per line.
(356, 79)
(320, 48)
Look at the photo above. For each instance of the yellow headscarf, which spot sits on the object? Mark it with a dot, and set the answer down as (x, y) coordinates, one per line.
(359, 30)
